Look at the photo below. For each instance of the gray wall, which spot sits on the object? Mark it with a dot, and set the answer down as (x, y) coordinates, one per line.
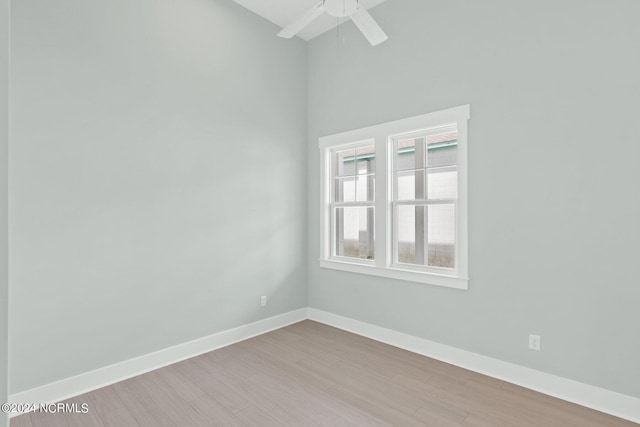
(4, 250)
(553, 166)
(156, 161)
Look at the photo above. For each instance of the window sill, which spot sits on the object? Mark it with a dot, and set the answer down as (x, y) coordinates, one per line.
(396, 273)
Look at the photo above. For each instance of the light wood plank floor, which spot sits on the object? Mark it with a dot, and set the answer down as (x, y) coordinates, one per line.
(309, 374)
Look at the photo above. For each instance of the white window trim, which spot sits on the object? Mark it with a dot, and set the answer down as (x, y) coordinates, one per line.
(383, 135)
(331, 203)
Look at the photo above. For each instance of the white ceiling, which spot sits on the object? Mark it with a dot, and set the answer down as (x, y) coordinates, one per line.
(283, 12)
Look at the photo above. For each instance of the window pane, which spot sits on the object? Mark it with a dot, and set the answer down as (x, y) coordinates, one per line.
(442, 183)
(442, 149)
(365, 188)
(441, 233)
(426, 235)
(366, 160)
(354, 232)
(410, 154)
(410, 185)
(345, 190)
(410, 246)
(346, 162)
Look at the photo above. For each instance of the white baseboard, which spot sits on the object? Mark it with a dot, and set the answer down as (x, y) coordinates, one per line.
(83, 383)
(606, 401)
(602, 400)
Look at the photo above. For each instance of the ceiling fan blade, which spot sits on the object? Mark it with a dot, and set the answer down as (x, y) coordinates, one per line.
(369, 27)
(303, 21)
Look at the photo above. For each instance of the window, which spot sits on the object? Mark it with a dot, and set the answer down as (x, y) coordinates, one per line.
(394, 199)
(425, 182)
(352, 205)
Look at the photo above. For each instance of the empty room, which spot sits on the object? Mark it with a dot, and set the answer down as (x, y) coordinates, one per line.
(319, 213)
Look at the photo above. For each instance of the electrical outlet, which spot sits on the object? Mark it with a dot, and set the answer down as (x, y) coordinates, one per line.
(534, 342)
(263, 301)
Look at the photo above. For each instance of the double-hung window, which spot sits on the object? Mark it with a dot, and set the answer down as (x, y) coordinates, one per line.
(394, 199)
(353, 201)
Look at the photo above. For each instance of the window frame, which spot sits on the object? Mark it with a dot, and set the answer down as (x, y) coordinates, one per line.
(333, 204)
(395, 203)
(383, 135)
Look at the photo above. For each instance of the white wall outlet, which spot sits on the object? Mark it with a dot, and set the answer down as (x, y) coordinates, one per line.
(263, 301)
(534, 342)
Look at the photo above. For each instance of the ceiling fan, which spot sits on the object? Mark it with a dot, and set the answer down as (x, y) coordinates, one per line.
(340, 9)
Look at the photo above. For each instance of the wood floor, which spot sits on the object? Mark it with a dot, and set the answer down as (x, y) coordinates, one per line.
(309, 374)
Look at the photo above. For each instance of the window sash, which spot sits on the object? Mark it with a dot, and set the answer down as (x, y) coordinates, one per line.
(395, 238)
(333, 230)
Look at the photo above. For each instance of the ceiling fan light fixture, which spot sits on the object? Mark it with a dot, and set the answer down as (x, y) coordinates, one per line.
(340, 8)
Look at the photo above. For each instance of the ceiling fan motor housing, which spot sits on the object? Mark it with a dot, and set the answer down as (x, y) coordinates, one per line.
(340, 8)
